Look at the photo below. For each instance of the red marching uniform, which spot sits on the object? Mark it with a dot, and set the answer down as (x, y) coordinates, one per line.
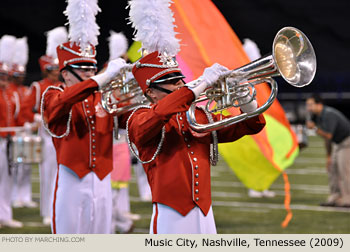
(176, 158)
(180, 175)
(87, 147)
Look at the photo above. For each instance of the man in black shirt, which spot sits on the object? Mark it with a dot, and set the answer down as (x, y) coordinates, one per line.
(334, 127)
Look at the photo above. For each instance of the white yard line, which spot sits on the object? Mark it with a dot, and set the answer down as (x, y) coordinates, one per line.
(315, 188)
(280, 206)
(317, 171)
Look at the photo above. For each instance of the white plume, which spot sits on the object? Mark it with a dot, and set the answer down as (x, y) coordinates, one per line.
(154, 25)
(7, 48)
(118, 45)
(55, 37)
(21, 53)
(251, 49)
(83, 29)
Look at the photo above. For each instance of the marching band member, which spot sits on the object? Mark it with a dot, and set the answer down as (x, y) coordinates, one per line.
(8, 110)
(175, 158)
(30, 112)
(22, 187)
(121, 173)
(81, 129)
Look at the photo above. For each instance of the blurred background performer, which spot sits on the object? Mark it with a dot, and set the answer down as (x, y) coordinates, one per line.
(253, 52)
(8, 108)
(121, 174)
(81, 129)
(30, 112)
(334, 127)
(175, 158)
(22, 188)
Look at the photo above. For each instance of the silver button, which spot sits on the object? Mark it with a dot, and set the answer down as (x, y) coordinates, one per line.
(93, 134)
(93, 140)
(94, 159)
(93, 128)
(183, 125)
(192, 152)
(94, 147)
(195, 159)
(88, 111)
(93, 166)
(197, 175)
(196, 191)
(186, 139)
(92, 122)
(87, 105)
(188, 145)
(196, 167)
(197, 183)
(86, 100)
(180, 118)
(197, 199)
(94, 153)
(183, 132)
(90, 117)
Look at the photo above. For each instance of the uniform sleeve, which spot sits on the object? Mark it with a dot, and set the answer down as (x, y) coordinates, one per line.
(250, 126)
(57, 104)
(26, 113)
(145, 124)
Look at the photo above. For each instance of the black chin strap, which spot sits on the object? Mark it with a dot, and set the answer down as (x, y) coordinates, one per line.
(160, 88)
(71, 70)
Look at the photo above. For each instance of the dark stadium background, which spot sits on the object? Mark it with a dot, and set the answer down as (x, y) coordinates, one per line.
(326, 23)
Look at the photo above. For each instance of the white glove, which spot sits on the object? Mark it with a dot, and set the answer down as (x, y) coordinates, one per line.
(249, 107)
(37, 118)
(212, 74)
(129, 76)
(111, 72)
(209, 77)
(27, 126)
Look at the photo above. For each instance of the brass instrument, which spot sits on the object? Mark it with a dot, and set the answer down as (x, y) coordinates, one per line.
(293, 58)
(127, 94)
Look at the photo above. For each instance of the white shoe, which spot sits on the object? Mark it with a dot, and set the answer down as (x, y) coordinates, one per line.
(268, 194)
(17, 204)
(254, 194)
(132, 216)
(47, 221)
(30, 204)
(12, 224)
(147, 198)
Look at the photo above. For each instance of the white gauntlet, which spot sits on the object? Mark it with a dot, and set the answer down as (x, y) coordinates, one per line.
(197, 86)
(111, 72)
(249, 107)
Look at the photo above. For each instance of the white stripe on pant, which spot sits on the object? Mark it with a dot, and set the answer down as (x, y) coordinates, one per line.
(82, 206)
(170, 221)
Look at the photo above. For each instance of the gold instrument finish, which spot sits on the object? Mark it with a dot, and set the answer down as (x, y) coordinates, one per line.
(293, 58)
(122, 94)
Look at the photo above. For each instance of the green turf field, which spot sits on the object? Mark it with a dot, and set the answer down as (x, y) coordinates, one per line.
(235, 212)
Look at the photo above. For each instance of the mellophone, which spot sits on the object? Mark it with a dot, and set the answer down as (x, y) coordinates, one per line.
(25, 147)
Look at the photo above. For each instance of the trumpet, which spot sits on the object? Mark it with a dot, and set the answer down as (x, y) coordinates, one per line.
(122, 94)
(292, 57)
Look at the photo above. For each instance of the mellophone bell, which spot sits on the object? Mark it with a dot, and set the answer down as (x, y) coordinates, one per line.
(293, 58)
(24, 147)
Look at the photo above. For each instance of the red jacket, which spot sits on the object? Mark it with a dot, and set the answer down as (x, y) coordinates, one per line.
(88, 147)
(180, 175)
(31, 103)
(9, 108)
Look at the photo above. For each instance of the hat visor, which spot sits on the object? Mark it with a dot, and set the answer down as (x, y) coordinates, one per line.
(169, 77)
